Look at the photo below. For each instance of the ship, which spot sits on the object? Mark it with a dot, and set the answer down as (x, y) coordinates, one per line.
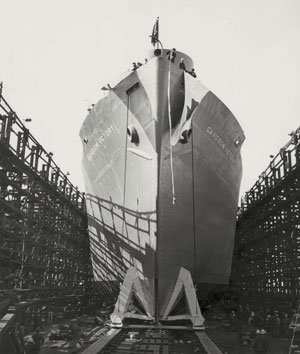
(162, 170)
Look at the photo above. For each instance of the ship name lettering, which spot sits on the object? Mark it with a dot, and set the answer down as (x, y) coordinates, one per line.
(106, 134)
(100, 141)
(220, 142)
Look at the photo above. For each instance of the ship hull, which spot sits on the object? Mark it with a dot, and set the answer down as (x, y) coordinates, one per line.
(159, 198)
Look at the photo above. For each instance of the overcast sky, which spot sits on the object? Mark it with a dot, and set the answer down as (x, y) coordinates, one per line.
(55, 55)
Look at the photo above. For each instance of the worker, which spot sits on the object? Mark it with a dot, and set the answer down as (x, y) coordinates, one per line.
(21, 331)
(134, 67)
(251, 318)
(30, 347)
(277, 324)
(272, 325)
(181, 64)
(261, 343)
(91, 108)
(285, 324)
(258, 332)
(233, 319)
(171, 55)
(268, 322)
(192, 72)
(38, 339)
(16, 343)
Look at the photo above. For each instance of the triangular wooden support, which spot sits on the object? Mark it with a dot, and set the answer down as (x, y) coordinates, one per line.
(184, 286)
(124, 308)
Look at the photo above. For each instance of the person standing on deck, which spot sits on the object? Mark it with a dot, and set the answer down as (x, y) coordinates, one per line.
(181, 64)
(171, 55)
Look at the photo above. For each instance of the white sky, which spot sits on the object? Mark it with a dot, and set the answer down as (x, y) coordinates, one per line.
(55, 55)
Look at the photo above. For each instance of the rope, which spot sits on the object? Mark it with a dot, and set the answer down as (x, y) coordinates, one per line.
(170, 130)
(124, 185)
(194, 217)
(125, 167)
(194, 202)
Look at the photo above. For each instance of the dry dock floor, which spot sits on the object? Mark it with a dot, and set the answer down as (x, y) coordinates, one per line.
(156, 341)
